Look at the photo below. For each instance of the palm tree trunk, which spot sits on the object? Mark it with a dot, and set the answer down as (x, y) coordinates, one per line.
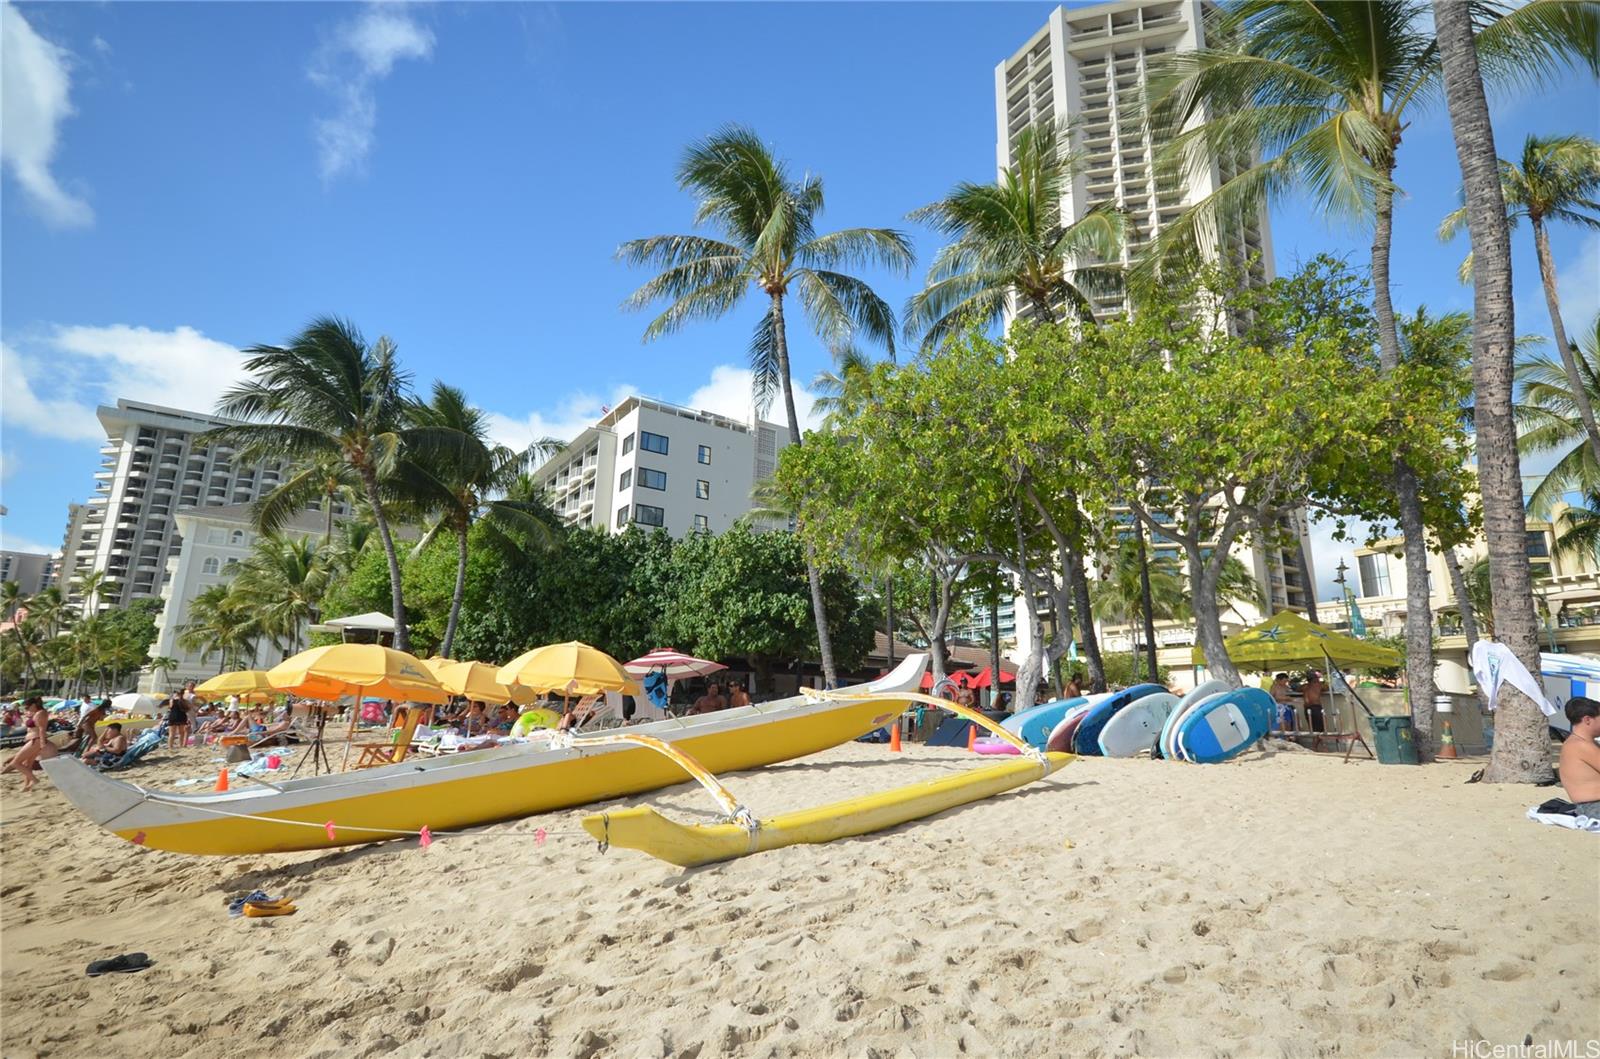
(1521, 746)
(1580, 393)
(1458, 585)
(1146, 604)
(458, 595)
(780, 343)
(402, 635)
(1419, 608)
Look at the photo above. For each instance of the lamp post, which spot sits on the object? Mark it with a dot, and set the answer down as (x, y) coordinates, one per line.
(1344, 594)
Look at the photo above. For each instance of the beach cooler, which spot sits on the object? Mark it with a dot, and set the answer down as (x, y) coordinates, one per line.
(1396, 746)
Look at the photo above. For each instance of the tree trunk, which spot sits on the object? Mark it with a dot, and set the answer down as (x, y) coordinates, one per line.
(456, 597)
(1146, 604)
(994, 650)
(1208, 619)
(935, 631)
(888, 606)
(1521, 745)
(1419, 608)
(1028, 672)
(1458, 586)
(1580, 392)
(402, 635)
(780, 343)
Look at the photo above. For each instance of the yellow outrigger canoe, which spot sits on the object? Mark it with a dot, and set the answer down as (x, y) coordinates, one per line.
(479, 787)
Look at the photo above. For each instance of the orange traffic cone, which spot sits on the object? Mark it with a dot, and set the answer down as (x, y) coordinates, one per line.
(222, 779)
(1447, 744)
(894, 736)
(972, 737)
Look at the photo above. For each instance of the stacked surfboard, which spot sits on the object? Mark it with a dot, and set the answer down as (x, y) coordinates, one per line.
(1215, 723)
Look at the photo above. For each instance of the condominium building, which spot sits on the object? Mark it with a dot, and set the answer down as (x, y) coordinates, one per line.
(659, 465)
(1087, 67)
(152, 467)
(32, 571)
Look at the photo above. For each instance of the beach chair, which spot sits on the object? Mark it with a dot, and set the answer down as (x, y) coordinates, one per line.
(393, 750)
(147, 741)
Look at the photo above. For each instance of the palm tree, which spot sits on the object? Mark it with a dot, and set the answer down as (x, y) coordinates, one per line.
(91, 586)
(14, 609)
(1578, 529)
(1008, 241)
(329, 397)
(1135, 588)
(1237, 584)
(766, 220)
(323, 481)
(282, 583)
(462, 492)
(1548, 418)
(845, 389)
(1557, 179)
(161, 666)
(220, 622)
(1521, 750)
(1316, 97)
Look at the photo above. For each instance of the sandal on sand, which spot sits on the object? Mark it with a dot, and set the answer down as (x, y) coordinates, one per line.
(236, 906)
(125, 964)
(262, 909)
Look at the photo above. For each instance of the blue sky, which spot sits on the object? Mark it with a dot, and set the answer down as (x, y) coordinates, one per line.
(185, 179)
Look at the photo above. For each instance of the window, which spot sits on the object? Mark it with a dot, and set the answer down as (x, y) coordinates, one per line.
(230, 564)
(626, 479)
(627, 444)
(645, 515)
(705, 455)
(650, 479)
(215, 536)
(1374, 575)
(236, 537)
(622, 516)
(652, 442)
(210, 566)
(702, 524)
(1537, 547)
(702, 489)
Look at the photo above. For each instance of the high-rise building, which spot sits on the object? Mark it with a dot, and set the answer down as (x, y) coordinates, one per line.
(152, 467)
(1086, 67)
(661, 465)
(32, 571)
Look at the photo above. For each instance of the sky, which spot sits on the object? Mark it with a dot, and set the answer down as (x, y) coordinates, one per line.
(181, 181)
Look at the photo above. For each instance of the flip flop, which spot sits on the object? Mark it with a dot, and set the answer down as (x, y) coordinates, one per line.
(236, 906)
(262, 911)
(127, 963)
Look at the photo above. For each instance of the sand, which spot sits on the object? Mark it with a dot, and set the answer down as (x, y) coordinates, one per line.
(1283, 904)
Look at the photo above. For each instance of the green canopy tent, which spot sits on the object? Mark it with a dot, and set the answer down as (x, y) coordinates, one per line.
(1286, 639)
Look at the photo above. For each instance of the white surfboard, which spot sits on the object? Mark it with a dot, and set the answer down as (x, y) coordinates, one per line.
(1137, 725)
(1198, 697)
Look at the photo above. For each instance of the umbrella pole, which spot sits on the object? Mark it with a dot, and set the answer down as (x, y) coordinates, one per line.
(350, 733)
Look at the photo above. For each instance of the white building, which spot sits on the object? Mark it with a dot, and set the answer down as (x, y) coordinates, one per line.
(32, 571)
(216, 539)
(1087, 66)
(661, 465)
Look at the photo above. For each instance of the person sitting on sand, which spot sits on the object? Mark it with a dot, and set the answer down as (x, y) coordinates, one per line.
(1580, 757)
(1280, 694)
(476, 722)
(112, 745)
(37, 723)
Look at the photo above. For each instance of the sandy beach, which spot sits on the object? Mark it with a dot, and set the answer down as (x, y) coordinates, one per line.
(1285, 904)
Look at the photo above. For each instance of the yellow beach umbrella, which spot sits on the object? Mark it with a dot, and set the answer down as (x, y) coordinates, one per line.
(357, 669)
(435, 662)
(569, 669)
(247, 685)
(476, 680)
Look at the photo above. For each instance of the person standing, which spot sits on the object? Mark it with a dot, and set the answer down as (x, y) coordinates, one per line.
(1311, 693)
(177, 721)
(37, 747)
(86, 734)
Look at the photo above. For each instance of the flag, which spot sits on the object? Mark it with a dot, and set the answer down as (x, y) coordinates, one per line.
(1358, 625)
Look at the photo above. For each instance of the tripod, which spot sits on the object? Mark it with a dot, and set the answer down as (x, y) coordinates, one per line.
(317, 752)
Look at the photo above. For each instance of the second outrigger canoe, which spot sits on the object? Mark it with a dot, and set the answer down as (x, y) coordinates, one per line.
(478, 787)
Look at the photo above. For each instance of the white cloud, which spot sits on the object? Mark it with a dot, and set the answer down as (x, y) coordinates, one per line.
(51, 386)
(348, 66)
(24, 544)
(101, 45)
(729, 393)
(35, 90)
(1326, 553)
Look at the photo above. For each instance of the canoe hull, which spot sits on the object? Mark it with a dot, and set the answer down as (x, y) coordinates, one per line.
(471, 789)
(644, 829)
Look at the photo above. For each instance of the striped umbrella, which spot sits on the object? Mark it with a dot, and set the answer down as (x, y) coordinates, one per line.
(675, 664)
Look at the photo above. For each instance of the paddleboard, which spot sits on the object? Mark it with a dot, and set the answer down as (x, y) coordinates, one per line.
(1137, 726)
(1086, 740)
(1033, 726)
(1169, 730)
(1061, 734)
(1225, 726)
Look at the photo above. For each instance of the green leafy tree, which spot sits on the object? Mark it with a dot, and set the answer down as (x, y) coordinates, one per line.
(1557, 180)
(1008, 240)
(328, 397)
(765, 220)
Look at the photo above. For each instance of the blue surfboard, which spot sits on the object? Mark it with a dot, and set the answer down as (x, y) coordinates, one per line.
(1033, 726)
(1086, 741)
(1226, 726)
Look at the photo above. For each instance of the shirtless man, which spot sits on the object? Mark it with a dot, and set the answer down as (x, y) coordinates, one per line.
(112, 745)
(1311, 691)
(1580, 757)
(710, 702)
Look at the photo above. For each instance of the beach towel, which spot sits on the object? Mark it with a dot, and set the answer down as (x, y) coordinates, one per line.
(1559, 813)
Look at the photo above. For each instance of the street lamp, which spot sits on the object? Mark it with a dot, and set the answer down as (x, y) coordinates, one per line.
(1344, 594)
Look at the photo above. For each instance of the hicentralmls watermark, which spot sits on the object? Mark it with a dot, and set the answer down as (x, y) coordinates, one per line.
(1574, 1049)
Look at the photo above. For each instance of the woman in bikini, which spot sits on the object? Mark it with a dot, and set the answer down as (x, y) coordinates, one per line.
(37, 722)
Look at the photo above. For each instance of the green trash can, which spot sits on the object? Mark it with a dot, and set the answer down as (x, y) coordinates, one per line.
(1395, 743)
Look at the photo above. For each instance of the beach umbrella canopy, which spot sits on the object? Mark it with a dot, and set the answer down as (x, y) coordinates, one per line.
(133, 702)
(476, 680)
(357, 669)
(248, 684)
(1287, 639)
(985, 677)
(676, 664)
(568, 668)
